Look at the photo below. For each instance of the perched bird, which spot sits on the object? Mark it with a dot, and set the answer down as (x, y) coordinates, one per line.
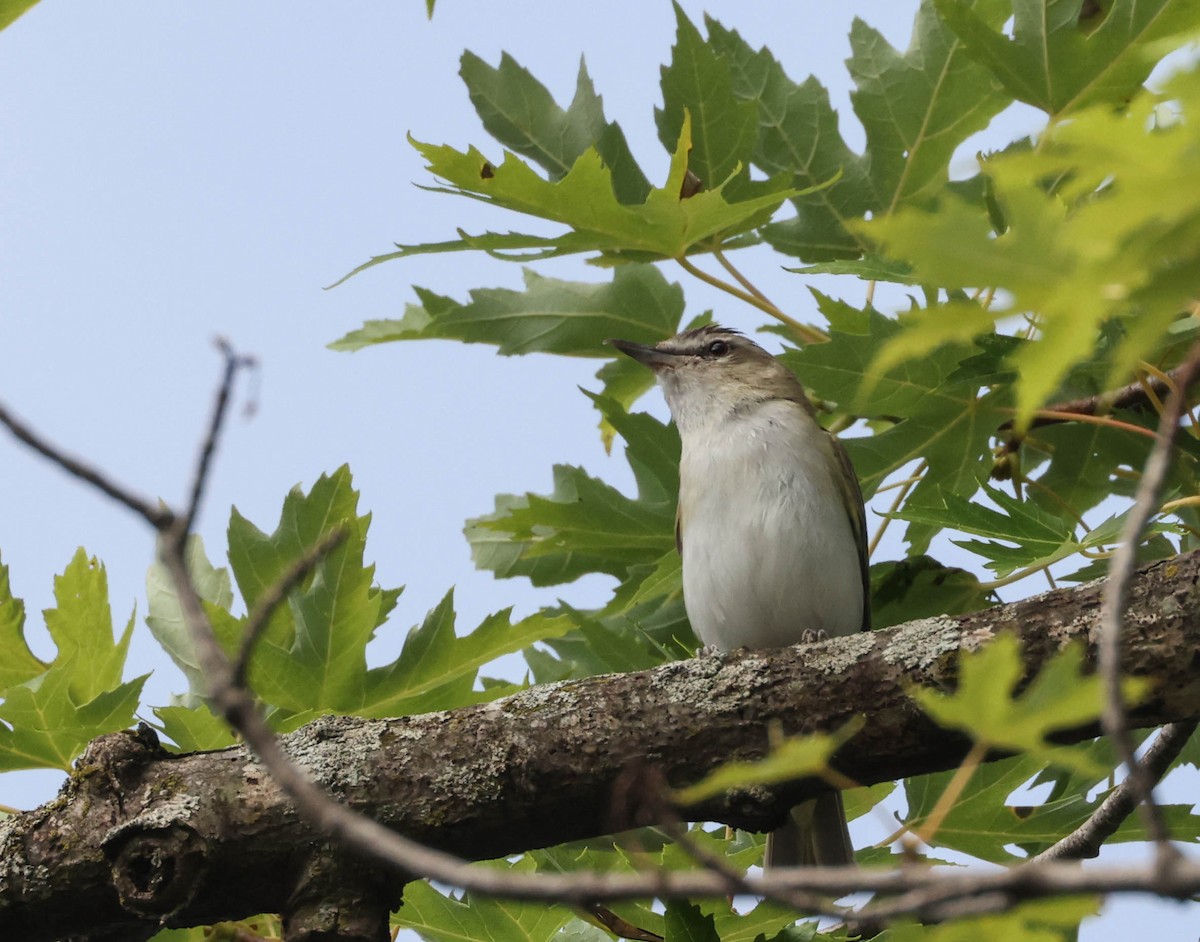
(770, 525)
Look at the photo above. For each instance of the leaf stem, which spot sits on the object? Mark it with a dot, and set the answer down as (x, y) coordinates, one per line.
(1172, 505)
(1094, 420)
(805, 333)
(1012, 577)
(741, 279)
(905, 487)
(954, 789)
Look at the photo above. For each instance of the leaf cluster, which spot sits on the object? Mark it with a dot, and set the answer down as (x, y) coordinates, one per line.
(1064, 265)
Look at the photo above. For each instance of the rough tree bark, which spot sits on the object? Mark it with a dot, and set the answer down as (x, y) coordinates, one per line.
(139, 838)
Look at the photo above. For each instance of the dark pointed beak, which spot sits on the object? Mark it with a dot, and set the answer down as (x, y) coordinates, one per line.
(650, 356)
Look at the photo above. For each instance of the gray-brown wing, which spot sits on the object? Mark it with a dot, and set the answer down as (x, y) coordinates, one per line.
(678, 531)
(852, 496)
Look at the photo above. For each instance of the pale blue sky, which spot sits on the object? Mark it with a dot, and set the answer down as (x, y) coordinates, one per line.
(172, 171)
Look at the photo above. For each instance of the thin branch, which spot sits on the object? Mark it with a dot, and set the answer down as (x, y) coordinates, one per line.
(811, 335)
(906, 486)
(150, 511)
(1130, 396)
(1086, 840)
(924, 891)
(233, 362)
(1051, 416)
(802, 331)
(953, 791)
(1116, 590)
(275, 593)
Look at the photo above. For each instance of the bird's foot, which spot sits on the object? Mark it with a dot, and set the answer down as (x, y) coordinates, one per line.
(708, 650)
(809, 636)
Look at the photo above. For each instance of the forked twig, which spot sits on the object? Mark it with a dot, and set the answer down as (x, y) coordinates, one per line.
(919, 891)
(275, 593)
(1085, 841)
(1113, 719)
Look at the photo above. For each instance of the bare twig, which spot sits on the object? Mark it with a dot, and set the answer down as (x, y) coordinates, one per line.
(1127, 397)
(1086, 840)
(233, 362)
(802, 331)
(1113, 719)
(922, 891)
(809, 335)
(154, 514)
(275, 593)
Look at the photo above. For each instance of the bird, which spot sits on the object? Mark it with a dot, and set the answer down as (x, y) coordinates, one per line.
(770, 525)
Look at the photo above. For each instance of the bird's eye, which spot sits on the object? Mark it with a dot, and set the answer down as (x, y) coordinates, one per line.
(718, 348)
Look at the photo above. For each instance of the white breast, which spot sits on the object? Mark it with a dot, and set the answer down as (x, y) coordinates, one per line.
(768, 548)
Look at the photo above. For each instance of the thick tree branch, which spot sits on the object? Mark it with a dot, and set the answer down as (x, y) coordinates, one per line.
(138, 837)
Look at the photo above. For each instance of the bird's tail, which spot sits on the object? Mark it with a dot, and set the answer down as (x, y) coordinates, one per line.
(814, 834)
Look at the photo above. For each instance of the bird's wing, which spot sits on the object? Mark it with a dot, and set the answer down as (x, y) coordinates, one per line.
(679, 530)
(853, 500)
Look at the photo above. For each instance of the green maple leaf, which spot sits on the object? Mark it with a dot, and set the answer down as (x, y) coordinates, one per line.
(921, 587)
(1055, 920)
(984, 823)
(586, 525)
(697, 83)
(916, 107)
(17, 663)
(798, 135)
(986, 704)
(311, 658)
(1114, 241)
(663, 226)
(930, 410)
(439, 917)
(570, 318)
(165, 619)
(1038, 537)
(796, 757)
(519, 112)
(436, 669)
(52, 714)
(194, 728)
(1061, 59)
(684, 922)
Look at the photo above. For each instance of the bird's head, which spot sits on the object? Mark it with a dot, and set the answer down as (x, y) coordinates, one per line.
(710, 372)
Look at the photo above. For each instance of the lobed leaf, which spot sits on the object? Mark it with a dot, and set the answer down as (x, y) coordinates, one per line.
(987, 706)
(48, 717)
(1064, 55)
(519, 112)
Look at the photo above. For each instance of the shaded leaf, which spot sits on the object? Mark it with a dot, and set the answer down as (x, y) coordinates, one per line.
(697, 83)
(573, 318)
(684, 922)
(519, 112)
(987, 706)
(1055, 62)
(586, 525)
(1050, 920)
(796, 757)
(165, 618)
(921, 587)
